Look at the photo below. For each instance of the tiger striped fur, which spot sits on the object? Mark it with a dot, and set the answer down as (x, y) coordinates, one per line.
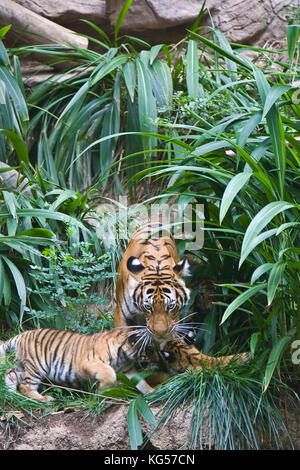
(65, 357)
(151, 292)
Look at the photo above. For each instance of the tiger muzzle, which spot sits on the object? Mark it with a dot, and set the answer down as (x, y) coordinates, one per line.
(160, 327)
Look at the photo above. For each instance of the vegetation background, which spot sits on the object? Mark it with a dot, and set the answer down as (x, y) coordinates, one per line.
(196, 122)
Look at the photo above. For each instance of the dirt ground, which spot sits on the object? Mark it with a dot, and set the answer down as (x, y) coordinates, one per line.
(75, 429)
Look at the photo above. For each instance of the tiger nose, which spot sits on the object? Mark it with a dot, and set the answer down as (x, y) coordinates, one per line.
(160, 328)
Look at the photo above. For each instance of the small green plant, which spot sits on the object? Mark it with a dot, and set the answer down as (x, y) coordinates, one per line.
(68, 289)
(226, 408)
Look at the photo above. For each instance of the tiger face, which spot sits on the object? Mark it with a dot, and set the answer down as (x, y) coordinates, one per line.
(151, 290)
(159, 293)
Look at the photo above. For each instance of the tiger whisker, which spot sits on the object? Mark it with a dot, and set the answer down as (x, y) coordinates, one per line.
(185, 317)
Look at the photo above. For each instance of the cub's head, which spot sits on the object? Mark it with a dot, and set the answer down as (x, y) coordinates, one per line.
(157, 289)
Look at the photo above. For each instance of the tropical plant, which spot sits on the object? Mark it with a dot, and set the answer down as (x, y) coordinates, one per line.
(244, 169)
(226, 409)
(34, 213)
(69, 290)
(103, 94)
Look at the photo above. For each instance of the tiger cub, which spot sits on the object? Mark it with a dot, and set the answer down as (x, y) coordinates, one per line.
(65, 357)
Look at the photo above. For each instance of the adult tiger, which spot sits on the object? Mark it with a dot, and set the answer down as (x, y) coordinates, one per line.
(151, 292)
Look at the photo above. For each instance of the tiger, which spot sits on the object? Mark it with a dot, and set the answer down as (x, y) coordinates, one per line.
(151, 292)
(73, 359)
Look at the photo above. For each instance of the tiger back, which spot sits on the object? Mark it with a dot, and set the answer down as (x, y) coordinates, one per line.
(73, 359)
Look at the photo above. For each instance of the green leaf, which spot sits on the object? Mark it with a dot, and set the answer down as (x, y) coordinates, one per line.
(111, 123)
(18, 278)
(241, 299)
(233, 187)
(15, 93)
(11, 203)
(292, 34)
(3, 54)
(224, 44)
(275, 355)
(248, 128)
(192, 69)
(18, 144)
(4, 30)
(144, 410)
(36, 232)
(64, 196)
(274, 279)
(256, 241)
(76, 100)
(154, 52)
(134, 426)
(272, 96)
(121, 17)
(221, 51)
(108, 67)
(262, 84)
(129, 74)
(253, 342)
(260, 271)
(261, 219)
(146, 105)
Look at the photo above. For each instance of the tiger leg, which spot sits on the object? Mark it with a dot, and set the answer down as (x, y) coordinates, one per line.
(14, 377)
(29, 388)
(181, 356)
(98, 370)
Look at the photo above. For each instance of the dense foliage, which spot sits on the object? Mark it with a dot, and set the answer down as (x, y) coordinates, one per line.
(199, 122)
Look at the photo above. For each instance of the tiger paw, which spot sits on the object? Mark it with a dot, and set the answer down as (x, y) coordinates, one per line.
(47, 398)
(243, 357)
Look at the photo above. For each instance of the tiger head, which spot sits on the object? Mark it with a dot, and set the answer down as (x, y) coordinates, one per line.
(158, 293)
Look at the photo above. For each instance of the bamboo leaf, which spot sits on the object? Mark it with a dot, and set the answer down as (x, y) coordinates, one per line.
(241, 299)
(161, 80)
(146, 105)
(15, 93)
(292, 35)
(121, 17)
(260, 271)
(261, 219)
(275, 355)
(221, 51)
(134, 426)
(129, 74)
(192, 69)
(224, 44)
(274, 279)
(144, 410)
(154, 52)
(233, 187)
(19, 146)
(36, 232)
(272, 96)
(18, 278)
(108, 67)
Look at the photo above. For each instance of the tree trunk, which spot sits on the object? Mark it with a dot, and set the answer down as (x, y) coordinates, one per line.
(32, 28)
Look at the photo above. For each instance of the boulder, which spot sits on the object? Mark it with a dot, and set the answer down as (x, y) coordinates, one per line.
(255, 22)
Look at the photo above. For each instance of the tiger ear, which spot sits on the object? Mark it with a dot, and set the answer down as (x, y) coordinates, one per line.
(182, 268)
(134, 265)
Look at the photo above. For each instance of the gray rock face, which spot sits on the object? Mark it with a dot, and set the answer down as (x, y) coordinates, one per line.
(247, 21)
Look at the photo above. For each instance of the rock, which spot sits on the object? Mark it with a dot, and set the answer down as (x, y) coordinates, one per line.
(255, 22)
(245, 21)
(34, 28)
(67, 12)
